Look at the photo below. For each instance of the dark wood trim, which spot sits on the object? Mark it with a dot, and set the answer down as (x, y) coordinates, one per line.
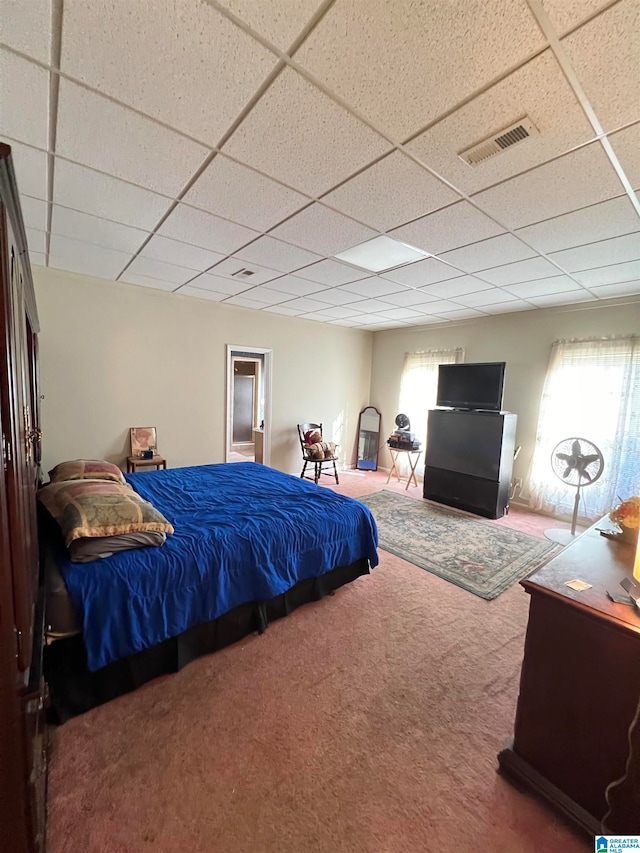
(517, 769)
(11, 200)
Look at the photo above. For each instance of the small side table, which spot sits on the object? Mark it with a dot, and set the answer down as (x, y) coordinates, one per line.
(135, 462)
(413, 457)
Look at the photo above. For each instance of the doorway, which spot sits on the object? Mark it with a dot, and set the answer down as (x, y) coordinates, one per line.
(248, 421)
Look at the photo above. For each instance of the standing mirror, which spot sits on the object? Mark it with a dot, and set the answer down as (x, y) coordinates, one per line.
(368, 439)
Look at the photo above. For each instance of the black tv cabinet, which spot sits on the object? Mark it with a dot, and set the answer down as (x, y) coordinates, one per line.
(469, 460)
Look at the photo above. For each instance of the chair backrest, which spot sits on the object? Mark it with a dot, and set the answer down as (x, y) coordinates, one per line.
(304, 428)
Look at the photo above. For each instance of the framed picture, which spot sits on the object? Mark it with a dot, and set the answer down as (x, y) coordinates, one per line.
(143, 439)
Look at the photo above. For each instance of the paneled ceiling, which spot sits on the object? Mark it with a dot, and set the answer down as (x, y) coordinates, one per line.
(229, 149)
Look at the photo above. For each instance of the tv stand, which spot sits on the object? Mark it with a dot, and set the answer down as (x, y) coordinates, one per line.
(469, 460)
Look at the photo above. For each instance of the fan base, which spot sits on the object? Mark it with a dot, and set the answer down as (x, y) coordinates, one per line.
(561, 536)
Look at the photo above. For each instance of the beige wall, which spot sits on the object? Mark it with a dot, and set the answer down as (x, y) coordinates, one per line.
(115, 355)
(523, 340)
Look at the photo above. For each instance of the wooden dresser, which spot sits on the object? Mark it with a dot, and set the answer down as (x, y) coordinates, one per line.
(23, 742)
(580, 687)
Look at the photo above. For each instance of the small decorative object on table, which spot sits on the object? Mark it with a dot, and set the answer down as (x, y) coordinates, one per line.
(627, 517)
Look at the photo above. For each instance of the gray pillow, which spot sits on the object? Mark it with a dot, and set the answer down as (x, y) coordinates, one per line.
(89, 548)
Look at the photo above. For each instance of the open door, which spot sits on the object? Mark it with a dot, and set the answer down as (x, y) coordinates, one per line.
(248, 432)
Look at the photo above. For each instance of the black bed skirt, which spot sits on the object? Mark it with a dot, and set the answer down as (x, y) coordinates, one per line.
(74, 689)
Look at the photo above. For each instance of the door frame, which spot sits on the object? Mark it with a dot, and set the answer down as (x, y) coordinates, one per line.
(232, 350)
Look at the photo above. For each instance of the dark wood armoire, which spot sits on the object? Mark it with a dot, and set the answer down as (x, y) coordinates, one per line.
(23, 747)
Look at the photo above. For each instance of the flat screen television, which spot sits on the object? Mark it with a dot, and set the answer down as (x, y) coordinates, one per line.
(471, 386)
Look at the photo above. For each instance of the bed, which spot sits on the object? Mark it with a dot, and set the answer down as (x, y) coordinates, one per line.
(250, 545)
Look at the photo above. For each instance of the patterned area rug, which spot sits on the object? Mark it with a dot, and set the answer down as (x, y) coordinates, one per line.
(477, 555)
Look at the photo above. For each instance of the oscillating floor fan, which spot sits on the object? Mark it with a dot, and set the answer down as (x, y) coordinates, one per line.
(577, 462)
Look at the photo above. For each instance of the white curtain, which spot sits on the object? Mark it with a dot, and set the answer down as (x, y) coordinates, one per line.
(418, 388)
(592, 391)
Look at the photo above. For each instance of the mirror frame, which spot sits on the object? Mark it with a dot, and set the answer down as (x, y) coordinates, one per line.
(373, 466)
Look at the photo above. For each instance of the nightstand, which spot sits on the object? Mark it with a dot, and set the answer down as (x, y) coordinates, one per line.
(135, 462)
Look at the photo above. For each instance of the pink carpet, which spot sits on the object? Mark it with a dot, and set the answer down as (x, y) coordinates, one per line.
(369, 721)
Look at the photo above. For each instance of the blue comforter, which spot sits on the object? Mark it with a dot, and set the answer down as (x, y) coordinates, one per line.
(243, 532)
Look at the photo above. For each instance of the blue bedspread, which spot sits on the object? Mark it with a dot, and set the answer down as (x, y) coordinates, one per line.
(243, 532)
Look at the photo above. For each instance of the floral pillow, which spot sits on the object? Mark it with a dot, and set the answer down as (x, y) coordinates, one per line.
(100, 508)
(86, 469)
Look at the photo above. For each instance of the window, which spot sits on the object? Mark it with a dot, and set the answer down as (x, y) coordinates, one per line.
(592, 391)
(419, 386)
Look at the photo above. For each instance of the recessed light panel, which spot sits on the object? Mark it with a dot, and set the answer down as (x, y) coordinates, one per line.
(381, 253)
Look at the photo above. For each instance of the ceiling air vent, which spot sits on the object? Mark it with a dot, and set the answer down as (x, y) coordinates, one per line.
(242, 273)
(499, 142)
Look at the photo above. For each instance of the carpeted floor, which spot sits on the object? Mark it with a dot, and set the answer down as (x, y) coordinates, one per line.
(366, 722)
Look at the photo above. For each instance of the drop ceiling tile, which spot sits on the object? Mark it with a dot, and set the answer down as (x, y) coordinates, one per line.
(284, 309)
(185, 64)
(462, 314)
(505, 249)
(266, 296)
(391, 192)
(150, 268)
(539, 89)
(34, 213)
(610, 40)
(350, 323)
(199, 293)
(318, 318)
(238, 193)
(575, 180)
(401, 314)
(24, 100)
(36, 240)
(279, 22)
(520, 271)
(454, 226)
(147, 281)
(373, 287)
(408, 298)
(297, 286)
(182, 254)
(97, 132)
(332, 273)
(555, 284)
(626, 145)
(625, 288)
(323, 231)
(37, 259)
(231, 266)
(306, 305)
(337, 296)
(455, 287)
(568, 298)
(600, 254)
(383, 58)
(337, 313)
(244, 302)
(484, 298)
(101, 195)
(205, 230)
(424, 272)
(371, 306)
(370, 320)
(610, 218)
(609, 275)
(508, 307)
(439, 306)
(93, 229)
(75, 256)
(27, 27)
(277, 255)
(208, 281)
(313, 143)
(30, 166)
(566, 14)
